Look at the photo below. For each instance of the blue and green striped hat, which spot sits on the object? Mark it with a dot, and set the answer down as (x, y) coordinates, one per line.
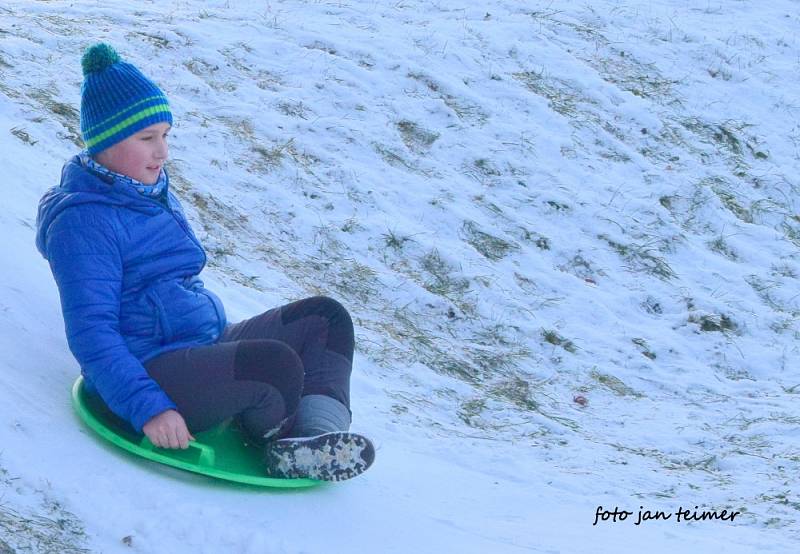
(117, 100)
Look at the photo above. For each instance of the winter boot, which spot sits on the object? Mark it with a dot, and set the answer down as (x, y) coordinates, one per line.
(319, 446)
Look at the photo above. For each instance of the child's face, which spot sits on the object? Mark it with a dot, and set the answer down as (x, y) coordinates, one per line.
(140, 156)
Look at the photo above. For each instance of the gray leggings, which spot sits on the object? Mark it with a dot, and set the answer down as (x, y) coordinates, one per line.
(260, 367)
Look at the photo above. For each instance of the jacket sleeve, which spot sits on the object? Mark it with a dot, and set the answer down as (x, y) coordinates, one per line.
(86, 262)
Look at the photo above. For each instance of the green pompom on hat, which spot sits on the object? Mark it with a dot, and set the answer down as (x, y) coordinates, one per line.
(117, 100)
(98, 57)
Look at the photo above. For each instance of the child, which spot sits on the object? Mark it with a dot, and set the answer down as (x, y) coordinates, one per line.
(151, 340)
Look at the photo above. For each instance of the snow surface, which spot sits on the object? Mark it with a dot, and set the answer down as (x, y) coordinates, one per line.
(567, 232)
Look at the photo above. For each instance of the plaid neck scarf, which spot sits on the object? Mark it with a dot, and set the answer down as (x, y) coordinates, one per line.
(156, 190)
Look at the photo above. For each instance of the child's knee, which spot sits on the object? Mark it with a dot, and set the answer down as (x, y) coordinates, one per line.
(336, 318)
(340, 325)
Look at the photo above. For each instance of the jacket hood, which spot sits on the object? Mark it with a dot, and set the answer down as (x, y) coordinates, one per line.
(81, 185)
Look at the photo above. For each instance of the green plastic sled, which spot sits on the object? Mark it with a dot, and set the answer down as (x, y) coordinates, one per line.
(220, 452)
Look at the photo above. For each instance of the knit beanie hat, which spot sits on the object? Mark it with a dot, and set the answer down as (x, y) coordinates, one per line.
(117, 100)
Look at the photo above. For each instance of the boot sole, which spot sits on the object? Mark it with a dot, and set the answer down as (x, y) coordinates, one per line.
(330, 457)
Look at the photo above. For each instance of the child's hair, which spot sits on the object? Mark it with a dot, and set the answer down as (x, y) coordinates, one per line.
(117, 100)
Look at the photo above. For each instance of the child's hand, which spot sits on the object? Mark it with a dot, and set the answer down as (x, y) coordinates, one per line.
(168, 430)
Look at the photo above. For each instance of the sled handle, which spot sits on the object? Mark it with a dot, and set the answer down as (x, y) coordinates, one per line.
(204, 453)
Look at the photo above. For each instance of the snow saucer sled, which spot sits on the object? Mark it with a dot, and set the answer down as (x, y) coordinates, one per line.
(219, 452)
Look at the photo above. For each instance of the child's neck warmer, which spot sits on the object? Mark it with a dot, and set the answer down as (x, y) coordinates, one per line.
(155, 190)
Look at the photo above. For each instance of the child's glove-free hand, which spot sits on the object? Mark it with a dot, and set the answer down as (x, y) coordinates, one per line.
(168, 430)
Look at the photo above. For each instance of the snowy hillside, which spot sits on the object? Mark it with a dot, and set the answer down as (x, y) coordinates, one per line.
(568, 234)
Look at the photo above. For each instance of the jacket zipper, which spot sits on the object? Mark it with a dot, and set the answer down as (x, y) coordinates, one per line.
(186, 230)
(169, 209)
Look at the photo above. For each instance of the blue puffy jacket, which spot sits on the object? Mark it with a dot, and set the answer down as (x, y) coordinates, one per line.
(126, 267)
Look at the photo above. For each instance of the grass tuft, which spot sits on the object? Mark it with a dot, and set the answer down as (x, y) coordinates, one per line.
(416, 138)
(715, 323)
(641, 257)
(557, 340)
(614, 384)
(490, 247)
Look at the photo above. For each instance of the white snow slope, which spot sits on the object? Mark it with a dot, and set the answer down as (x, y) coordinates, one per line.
(568, 234)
